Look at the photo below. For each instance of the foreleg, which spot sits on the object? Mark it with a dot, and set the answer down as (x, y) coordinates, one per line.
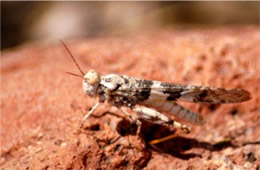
(88, 114)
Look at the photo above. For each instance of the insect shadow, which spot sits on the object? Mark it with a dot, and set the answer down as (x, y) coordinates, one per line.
(178, 145)
(175, 146)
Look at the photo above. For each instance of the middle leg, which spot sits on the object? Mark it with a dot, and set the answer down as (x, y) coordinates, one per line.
(134, 119)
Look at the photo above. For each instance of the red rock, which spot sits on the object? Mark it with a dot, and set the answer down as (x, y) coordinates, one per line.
(41, 106)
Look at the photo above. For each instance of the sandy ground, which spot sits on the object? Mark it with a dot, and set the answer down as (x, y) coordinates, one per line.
(42, 106)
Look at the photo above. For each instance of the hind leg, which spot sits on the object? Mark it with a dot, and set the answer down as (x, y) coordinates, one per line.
(159, 118)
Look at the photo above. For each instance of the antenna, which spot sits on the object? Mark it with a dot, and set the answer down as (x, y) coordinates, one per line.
(72, 57)
(73, 74)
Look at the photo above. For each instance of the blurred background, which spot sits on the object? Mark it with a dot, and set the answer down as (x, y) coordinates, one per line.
(23, 22)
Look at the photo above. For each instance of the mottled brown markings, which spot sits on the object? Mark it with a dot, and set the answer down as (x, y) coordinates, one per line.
(125, 79)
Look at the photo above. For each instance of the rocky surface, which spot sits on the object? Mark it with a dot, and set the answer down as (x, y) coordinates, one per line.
(42, 107)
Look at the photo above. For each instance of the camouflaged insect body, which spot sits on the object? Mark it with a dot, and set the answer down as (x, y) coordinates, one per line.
(125, 91)
(149, 98)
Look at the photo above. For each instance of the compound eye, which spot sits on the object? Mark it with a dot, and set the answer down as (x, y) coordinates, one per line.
(92, 80)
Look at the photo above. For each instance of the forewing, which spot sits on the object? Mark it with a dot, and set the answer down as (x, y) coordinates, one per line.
(199, 94)
(214, 95)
